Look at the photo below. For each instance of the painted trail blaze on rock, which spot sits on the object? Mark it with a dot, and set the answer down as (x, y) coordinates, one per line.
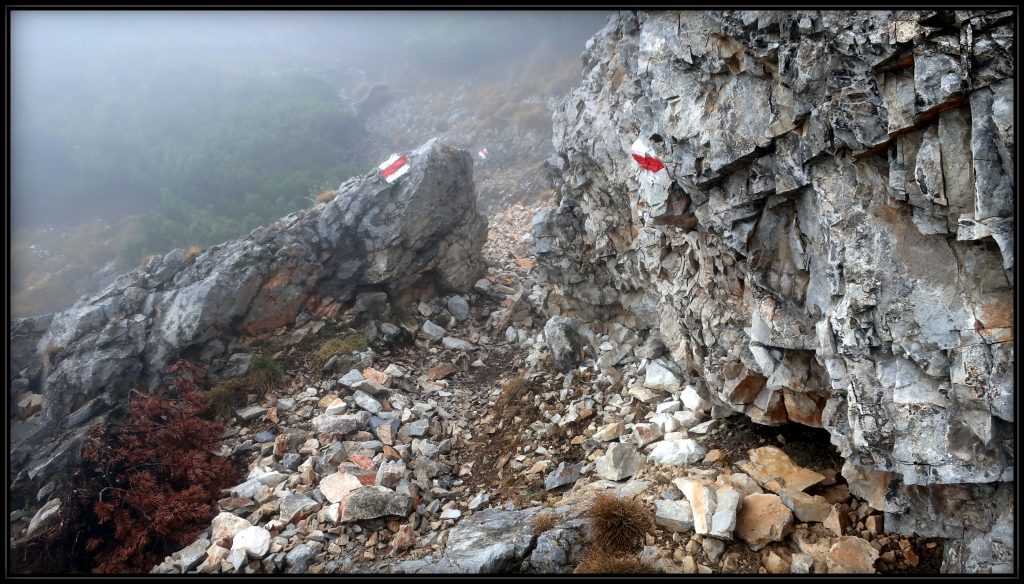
(393, 168)
(644, 156)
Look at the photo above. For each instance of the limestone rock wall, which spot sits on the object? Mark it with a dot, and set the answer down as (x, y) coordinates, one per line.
(830, 241)
(372, 235)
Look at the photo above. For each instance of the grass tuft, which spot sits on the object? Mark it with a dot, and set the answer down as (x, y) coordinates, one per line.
(619, 524)
(543, 522)
(601, 562)
(346, 345)
(326, 195)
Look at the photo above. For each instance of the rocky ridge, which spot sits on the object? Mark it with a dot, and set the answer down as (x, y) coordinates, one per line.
(78, 365)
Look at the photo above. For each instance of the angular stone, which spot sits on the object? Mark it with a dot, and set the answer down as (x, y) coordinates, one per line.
(373, 502)
(351, 378)
(366, 402)
(762, 519)
(432, 332)
(254, 541)
(774, 470)
(225, 525)
(250, 413)
(644, 434)
(692, 400)
(660, 377)
(391, 473)
(675, 516)
(563, 475)
(852, 555)
(479, 501)
(807, 508)
(701, 497)
(566, 339)
(801, 564)
(866, 483)
(677, 452)
(336, 486)
(609, 432)
(456, 344)
(837, 521)
(294, 507)
(192, 555)
(300, 556)
(459, 308)
(620, 461)
(343, 424)
(723, 522)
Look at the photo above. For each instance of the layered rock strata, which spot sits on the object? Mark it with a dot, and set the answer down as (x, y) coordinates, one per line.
(813, 210)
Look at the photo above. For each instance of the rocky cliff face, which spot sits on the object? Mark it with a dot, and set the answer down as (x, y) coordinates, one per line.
(829, 241)
(422, 230)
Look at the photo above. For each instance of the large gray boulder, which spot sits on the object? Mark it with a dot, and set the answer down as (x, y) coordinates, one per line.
(830, 241)
(387, 236)
(489, 542)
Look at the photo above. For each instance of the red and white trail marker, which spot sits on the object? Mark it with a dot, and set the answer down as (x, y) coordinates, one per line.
(644, 156)
(393, 168)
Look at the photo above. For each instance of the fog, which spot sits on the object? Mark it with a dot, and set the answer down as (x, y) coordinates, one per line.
(98, 98)
(134, 132)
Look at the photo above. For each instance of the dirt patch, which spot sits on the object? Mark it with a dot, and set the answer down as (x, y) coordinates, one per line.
(806, 446)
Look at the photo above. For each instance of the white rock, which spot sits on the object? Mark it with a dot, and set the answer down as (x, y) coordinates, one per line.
(665, 421)
(456, 344)
(619, 462)
(668, 407)
(677, 452)
(674, 516)
(226, 525)
(693, 401)
(335, 487)
(367, 402)
(479, 501)
(451, 514)
(658, 376)
(254, 540)
(686, 419)
(723, 522)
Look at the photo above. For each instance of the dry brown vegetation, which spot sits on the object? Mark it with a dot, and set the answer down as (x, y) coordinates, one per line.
(326, 195)
(192, 252)
(515, 398)
(543, 521)
(600, 562)
(619, 524)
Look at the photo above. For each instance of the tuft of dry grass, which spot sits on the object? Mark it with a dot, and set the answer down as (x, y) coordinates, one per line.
(514, 399)
(600, 562)
(543, 522)
(192, 252)
(326, 195)
(619, 524)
